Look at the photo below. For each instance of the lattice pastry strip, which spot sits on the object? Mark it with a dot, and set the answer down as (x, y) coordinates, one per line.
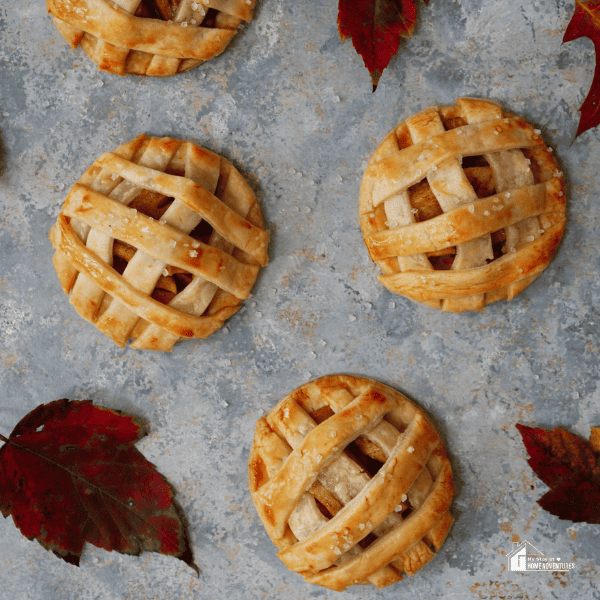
(461, 206)
(307, 519)
(451, 189)
(200, 293)
(150, 37)
(87, 294)
(382, 439)
(346, 480)
(336, 519)
(107, 216)
(398, 211)
(511, 170)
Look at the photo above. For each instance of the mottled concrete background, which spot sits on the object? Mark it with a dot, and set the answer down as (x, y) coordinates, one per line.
(293, 108)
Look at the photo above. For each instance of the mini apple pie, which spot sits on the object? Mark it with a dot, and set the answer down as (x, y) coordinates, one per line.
(149, 37)
(352, 482)
(461, 206)
(159, 240)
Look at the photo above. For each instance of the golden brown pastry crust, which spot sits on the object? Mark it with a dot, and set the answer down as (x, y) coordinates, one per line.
(120, 42)
(468, 181)
(198, 187)
(336, 519)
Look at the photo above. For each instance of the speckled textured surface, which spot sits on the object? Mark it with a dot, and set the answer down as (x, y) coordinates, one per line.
(292, 107)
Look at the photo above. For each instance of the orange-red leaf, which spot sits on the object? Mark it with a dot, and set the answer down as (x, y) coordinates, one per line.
(69, 473)
(568, 465)
(376, 27)
(586, 23)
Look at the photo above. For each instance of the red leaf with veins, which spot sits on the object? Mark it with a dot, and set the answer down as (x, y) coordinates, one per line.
(69, 473)
(586, 23)
(569, 466)
(376, 27)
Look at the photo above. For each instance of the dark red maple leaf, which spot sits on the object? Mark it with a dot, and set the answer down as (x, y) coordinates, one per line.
(569, 466)
(586, 23)
(376, 27)
(69, 473)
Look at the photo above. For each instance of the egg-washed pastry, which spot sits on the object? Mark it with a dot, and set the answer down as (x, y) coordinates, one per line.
(352, 482)
(158, 38)
(159, 240)
(461, 206)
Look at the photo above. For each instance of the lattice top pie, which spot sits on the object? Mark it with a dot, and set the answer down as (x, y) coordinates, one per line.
(352, 482)
(149, 37)
(159, 240)
(461, 206)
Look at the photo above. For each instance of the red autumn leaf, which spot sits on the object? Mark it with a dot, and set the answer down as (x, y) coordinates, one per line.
(69, 473)
(586, 23)
(569, 466)
(376, 27)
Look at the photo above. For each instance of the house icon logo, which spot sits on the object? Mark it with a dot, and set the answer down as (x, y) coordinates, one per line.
(518, 556)
(526, 557)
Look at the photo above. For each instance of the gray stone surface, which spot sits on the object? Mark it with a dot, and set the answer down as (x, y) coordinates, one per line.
(293, 108)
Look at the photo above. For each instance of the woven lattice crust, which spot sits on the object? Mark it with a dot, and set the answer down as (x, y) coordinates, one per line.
(461, 206)
(120, 37)
(159, 240)
(352, 482)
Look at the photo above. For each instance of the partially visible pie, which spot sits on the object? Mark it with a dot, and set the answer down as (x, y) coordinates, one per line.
(149, 37)
(352, 482)
(461, 206)
(159, 240)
